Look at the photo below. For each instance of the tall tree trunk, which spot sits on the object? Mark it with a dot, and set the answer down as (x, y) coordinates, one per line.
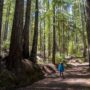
(15, 54)
(49, 38)
(88, 28)
(35, 38)
(54, 37)
(26, 31)
(1, 10)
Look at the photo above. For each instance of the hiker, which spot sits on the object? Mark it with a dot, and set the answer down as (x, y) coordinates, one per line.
(61, 69)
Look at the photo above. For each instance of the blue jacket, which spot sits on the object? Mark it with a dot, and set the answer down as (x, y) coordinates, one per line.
(60, 67)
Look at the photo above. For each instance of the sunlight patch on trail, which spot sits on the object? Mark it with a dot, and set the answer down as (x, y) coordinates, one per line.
(78, 81)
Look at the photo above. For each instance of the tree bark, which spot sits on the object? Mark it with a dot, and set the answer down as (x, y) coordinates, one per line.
(35, 38)
(88, 28)
(15, 54)
(26, 31)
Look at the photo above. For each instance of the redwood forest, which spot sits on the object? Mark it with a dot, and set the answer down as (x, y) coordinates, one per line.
(44, 44)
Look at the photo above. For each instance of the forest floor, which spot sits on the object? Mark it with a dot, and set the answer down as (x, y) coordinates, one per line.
(76, 78)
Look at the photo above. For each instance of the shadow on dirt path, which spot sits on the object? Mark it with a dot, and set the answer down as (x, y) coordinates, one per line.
(76, 78)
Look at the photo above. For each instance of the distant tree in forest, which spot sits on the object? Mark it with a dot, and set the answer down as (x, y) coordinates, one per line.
(7, 21)
(54, 37)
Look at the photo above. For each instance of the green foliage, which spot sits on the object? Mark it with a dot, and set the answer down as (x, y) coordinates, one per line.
(70, 48)
(6, 45)
(68, 1)
(59, 58)
(73, 49)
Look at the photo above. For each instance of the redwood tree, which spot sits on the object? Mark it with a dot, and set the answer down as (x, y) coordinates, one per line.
(26, 31)
(35, 37)
(15, 54)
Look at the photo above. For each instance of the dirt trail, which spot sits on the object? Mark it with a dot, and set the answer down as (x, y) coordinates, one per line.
(76, 78)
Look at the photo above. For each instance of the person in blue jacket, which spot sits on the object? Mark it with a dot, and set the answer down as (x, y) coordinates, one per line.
(61, 69)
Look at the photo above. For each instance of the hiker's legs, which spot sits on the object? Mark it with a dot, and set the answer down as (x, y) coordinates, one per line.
(61, 74)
